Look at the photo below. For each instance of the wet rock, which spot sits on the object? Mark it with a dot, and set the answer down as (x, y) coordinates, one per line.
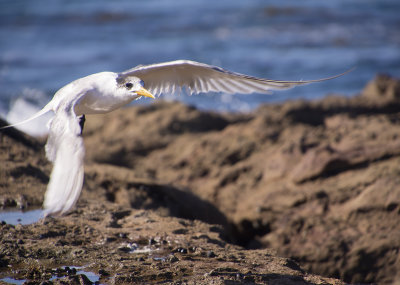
(180, 231)
(80, 279)
(181, 250)
(102, 272)
(3, 262)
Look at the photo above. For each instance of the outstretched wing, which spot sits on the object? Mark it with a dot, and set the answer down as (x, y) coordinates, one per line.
(170, 77)
(66, 150)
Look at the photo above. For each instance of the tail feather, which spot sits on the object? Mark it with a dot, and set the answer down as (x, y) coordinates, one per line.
(43, 111)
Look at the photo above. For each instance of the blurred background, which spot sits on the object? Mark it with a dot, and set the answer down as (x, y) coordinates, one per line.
(46, 44)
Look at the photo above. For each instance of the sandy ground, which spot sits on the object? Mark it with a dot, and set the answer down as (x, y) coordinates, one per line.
(293, 193)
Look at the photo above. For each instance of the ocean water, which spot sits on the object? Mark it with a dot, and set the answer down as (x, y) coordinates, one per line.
(45, 44)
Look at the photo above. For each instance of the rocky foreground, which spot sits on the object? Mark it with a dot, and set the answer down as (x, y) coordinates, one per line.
(293, 193)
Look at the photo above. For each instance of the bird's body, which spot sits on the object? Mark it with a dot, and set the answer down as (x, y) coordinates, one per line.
(93, 94)
(107, 91)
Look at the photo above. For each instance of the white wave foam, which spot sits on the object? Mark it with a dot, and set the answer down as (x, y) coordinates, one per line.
(26, 106)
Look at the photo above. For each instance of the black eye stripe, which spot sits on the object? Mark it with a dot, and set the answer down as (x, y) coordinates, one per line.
(128, 85)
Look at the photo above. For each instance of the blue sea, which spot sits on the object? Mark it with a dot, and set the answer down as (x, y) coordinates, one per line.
(45, 44)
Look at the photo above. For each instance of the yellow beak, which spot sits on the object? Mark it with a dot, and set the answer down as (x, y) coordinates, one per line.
(145, 93)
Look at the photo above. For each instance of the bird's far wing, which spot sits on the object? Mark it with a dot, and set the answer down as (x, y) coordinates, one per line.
(43, 111)
(170, 77)
(66, 150)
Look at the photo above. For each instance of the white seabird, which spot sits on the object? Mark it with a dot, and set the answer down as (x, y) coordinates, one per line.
(107, 91)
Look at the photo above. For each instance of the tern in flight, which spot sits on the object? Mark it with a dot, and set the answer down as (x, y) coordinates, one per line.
(104, 92)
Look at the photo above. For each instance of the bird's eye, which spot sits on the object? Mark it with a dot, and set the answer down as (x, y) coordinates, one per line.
(128, 85)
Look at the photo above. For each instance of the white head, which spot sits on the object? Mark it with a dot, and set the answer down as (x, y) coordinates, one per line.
(106, 91)
(132, 85)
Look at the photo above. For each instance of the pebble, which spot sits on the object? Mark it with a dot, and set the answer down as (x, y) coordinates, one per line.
(102, 272)
(181, 250)
(172, 258)
(210, 254)
(122, 235)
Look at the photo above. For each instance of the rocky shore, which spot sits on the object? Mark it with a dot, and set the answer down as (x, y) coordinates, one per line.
(293, 193)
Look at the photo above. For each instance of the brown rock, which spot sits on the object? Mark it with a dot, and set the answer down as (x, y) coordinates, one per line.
(316, 181)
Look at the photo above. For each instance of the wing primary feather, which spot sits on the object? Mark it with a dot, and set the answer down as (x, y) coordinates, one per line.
(213, 86)
(197, 86)
(224, 86)
(204, 86)
(259, 86)
(242, 87)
